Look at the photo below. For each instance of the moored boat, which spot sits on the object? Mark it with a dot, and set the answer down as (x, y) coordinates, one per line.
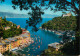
(38, 46)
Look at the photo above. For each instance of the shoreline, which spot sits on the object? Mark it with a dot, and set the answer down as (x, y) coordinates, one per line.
(59, 32)
(54, 31)
(17, 42)
(29, 41)
(23, 46)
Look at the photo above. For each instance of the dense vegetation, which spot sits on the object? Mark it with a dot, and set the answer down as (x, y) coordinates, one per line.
(9, 53)
(61, 23)
(59, 5)
(51, 52)
(10, 32)
(64, 24)
(67, 49)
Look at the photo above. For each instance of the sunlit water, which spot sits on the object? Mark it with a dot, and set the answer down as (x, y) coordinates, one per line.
(46, 37)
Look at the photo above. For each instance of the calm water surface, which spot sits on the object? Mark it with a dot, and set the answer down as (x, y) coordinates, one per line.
(46, 37)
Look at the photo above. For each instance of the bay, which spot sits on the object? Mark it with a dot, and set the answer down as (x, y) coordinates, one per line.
(43, 37)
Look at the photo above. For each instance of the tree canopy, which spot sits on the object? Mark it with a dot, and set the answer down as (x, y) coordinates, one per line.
(9, 32)
(55, 5)
(61, 23)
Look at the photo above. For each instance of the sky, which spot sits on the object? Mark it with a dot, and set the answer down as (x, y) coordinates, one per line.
(7, 7)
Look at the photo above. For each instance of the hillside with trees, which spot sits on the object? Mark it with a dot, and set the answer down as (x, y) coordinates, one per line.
(64, 24)
(8, 29)
(61, 23)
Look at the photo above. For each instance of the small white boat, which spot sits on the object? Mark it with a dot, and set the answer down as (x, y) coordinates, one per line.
(73, 36)
(27, 51)
(45, 29)
(36, 47)
(49, 30)
(52, 31)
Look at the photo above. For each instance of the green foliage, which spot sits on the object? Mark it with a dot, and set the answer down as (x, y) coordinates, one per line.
(10, 32)
(69, 48)
(1, 31)
(61, 23)
(35, 18)
(59, 5)
(5, 23)
(65, 5)
(51, 52)
(9, 53)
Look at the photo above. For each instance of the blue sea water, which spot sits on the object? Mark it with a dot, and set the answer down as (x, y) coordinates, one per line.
(46, 37)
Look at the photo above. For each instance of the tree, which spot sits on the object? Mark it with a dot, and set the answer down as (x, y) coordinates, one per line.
(1, 31)
(60, 5)
(1, 1)
(61, 23)
(35, 17)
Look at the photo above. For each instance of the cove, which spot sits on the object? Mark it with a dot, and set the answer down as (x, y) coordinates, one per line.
(41, 38)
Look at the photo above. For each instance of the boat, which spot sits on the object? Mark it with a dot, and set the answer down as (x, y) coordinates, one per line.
(73, 36)
(52, 31)
(58, 33)
(27, 51)
(45, 29)
(49, 30)
(32, 41)
(38, 46)
(39, 40)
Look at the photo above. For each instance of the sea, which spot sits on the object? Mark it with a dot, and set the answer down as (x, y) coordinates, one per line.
(41, 38)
